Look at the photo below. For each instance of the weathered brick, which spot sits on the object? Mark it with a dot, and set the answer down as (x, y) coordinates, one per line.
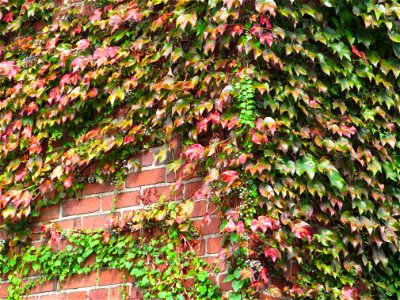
(116, 293)
(135, 294)
(211, 228)
(77, 295)
(97, 188)
(145, 158)
(47, 286)
(95, 222)
(83, 206)
(147, 177)
(48, 213)
(79, 281)
(108, 277)
(98, 294)
(200, 248)
(123, 200)
(73, 224)
(224, 286)
(4, 290)
(199, 209)
(214, 245)
(153, 194)
(58, 296)
(191, 188)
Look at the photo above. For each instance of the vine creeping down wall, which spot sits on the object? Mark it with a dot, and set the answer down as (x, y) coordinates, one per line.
(287, 110)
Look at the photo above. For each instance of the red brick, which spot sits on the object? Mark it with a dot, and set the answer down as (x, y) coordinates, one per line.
(95, 222)
(97, 188)
(58, 296)
(31, 298)
(83, 206)
(79, 281)
(108, 277)
(123, 200)
(153, 194)
(224, 286)
(98, 294)
(145, 158)
(172, 176)
(200, 248)
(116, 293)
(146, 177)
(199, 209)
(191, 188)
(48, 213)
(70, 224)
(77, 295)
(4, 290)
(214, 244)
(135, 294)
(211, 228)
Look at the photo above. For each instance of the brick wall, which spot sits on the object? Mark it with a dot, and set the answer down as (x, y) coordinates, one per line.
(92, 210)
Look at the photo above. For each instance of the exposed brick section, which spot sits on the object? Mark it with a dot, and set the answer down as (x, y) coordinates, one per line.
(77, 295)
(79, 281)
(95, 222)
(191, 188)
(147, 177)
(97, 188)
(146, 158)
(84, 206)
(205, 228)
(72, 224)
(153, 194)
(3, 290)
(48, 286)
(109, 277)
(116, 293)
(214, 245)
(48, 213)
(199, 209)
(98, 294)
(92, 211)
(123, 200)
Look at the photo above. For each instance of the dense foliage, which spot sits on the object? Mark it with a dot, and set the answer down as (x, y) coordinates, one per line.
(290, 110)
(159, 258)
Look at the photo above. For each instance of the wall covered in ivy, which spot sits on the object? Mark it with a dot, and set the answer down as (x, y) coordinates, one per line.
(285, 112)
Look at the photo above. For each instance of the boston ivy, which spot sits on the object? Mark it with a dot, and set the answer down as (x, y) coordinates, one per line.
(290, 110)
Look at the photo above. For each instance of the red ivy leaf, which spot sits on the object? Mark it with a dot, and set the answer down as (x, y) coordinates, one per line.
(194, 152)
(229, 177)
(272, 253)
(106, 236)
(302, 230)
(349, 293)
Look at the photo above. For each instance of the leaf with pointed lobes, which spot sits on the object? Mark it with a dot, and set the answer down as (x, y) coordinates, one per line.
(115, 22)
(68, 181)
(133, 14)
(232, 226)
(9, 69)
(263, 223)
(183, 19)
(263, 6)
(349, 293)
(229, 177)
(194, 152)
(263, 124)
(236, 29)
(302, 230)
(82, 44)
(272, 253)
(246, 273)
